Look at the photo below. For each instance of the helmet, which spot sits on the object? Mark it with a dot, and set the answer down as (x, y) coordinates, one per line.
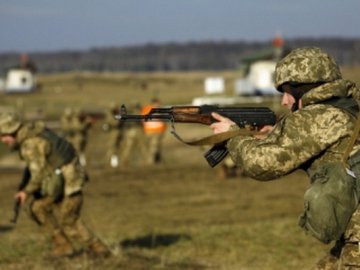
(306, 65)
(68, 111)
(9, 123)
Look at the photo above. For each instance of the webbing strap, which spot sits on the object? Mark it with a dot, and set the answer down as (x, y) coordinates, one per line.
(351, 142)
(351, 106)
(218, 138)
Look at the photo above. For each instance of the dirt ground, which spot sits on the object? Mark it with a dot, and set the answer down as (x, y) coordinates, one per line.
(177, 215)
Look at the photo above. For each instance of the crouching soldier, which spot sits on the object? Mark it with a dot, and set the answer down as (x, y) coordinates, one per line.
(54, 187)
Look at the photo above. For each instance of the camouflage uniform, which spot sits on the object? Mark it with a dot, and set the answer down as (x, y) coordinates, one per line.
(154, 134)
(133, 144)
(132, 148)
(307, 137)
(55, 207)
(75, 129)
(115, 135)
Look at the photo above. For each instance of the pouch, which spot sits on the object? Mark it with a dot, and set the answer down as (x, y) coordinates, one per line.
(329, 202)
(53, 184)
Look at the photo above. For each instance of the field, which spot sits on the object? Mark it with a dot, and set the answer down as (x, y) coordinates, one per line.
(176, 215)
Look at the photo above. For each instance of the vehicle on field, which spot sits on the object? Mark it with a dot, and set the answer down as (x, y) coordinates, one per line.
(19, 81)
(259, 81)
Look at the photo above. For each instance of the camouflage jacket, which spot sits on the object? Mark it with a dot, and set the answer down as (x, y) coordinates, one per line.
(111, 123)
(73, 125)
(34, 150)
(318, 132)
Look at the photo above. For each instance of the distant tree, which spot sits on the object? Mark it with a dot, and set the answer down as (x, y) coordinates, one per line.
(208, 55)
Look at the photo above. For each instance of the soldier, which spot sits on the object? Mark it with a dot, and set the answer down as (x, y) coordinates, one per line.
(154, 134)
(55, 184)
(115, 131)
(228, 169)
(318, 136)
(133, 141)
(26, 63)
(75, 127)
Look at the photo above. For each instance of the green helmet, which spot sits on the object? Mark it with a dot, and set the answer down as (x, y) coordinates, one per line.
(9, 123)
(306, 65)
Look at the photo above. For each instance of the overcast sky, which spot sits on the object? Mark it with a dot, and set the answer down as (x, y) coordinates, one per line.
(38, 25)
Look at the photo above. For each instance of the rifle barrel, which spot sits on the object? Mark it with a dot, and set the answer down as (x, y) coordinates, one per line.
(145, 117)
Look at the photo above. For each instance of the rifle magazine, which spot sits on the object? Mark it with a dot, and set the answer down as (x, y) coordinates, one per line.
(216, 154)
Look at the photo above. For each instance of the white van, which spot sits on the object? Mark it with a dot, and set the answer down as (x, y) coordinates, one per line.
(19, 81)
(259, 81)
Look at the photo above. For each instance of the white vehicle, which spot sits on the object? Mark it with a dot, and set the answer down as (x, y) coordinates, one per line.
(19, 81)
(259, 81)
(2, 84)
(258, 84)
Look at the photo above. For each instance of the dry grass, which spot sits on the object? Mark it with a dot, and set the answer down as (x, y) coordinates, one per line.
(178, 215)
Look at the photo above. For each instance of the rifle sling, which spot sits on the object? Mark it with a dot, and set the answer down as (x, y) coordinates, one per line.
(218, 138)
(351, 143)
(352, 107)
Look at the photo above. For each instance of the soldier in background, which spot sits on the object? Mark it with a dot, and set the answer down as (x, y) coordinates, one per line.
(26, 63)
(228, 169)
(115, 134)
(132, 148)
(54, 185)
(75, 128)
(154, 134)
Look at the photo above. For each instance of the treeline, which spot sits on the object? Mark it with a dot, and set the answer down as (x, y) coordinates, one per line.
(222, 55)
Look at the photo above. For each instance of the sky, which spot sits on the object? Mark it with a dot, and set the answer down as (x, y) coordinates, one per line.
(45, 25)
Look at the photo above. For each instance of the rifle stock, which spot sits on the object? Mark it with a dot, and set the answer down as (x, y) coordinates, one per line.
(91, 116)
(255, 117)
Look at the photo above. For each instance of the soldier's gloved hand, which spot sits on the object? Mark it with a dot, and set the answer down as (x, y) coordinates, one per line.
(222, 125)
(21, 196)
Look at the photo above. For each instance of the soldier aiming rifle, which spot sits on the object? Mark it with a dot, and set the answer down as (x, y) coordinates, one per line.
(320, 136)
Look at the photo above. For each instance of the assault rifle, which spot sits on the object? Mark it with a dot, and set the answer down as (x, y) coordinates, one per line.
(92, 116)
(17, 206)
(254, 117)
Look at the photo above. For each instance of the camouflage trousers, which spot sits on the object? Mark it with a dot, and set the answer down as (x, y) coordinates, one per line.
(132, 146)
(153, 144)
(79, 142)
(114, 140)
(63, 216)
(345, 255)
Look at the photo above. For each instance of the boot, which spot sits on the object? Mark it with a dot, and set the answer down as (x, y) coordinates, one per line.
(97, 248)
(114, 161)
(61, 246)
(82, 159)
(223, 172)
